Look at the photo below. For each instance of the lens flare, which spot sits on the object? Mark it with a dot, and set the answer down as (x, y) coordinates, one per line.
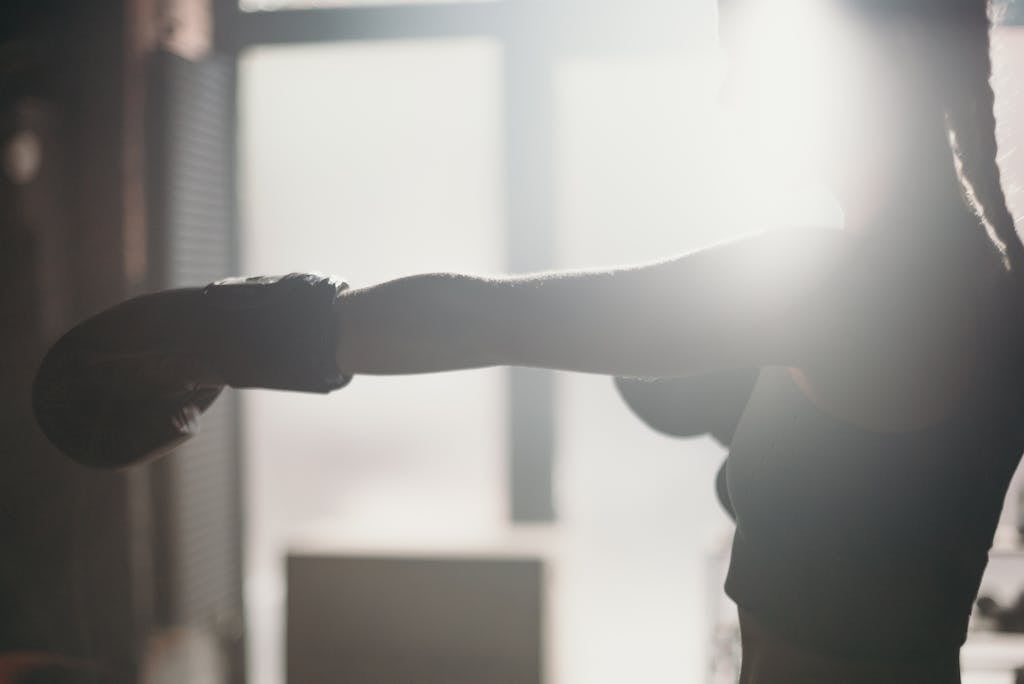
(794, 86)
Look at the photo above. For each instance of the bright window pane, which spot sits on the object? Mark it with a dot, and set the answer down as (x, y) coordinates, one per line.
(644, 175)
(634, 160)
(648, 169)
(369, 161)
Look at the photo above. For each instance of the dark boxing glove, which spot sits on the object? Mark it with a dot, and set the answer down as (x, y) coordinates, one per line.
(704, 403)
(130, 383)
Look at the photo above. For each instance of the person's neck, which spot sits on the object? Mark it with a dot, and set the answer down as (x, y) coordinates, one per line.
(928, 205)
(927, 226)
(914, 189)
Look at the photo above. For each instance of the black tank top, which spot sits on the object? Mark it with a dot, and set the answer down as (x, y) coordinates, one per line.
(866, 544)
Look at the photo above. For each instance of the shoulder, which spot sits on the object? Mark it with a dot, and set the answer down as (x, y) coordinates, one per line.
(787, 252)
(750, 301)
(895, 341)
(789, 289)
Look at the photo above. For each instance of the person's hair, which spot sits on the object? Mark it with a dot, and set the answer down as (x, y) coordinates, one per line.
(969, 102)
(953, 54)
(956, 56)
(961, 52)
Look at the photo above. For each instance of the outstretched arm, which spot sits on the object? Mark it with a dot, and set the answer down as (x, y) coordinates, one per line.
(131, 382)
(737, 304)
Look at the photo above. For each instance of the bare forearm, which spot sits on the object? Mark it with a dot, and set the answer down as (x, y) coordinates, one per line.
(610, 322)
(417, 324)
(741, 304)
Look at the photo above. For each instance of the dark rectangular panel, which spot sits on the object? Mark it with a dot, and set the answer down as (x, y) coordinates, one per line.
(384, 620)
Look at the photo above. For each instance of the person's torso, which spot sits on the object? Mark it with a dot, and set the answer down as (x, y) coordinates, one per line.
(869, 540)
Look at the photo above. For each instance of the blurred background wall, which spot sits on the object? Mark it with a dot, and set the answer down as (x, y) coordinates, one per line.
(157, 143)
(587, 135)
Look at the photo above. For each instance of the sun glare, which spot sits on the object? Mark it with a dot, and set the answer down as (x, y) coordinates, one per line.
(788, 77)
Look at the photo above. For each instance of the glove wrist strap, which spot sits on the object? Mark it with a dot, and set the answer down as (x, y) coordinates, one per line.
(277, 332)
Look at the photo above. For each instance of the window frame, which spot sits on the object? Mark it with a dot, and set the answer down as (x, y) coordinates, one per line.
(528, 178)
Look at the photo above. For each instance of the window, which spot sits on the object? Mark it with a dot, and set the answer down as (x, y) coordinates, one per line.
(544, 137)
(369, 161)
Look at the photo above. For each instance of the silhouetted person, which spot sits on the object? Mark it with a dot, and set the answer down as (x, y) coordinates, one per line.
(873, 441)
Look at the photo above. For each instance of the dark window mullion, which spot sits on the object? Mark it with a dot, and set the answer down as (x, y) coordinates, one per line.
(530, 203)
(371, 23)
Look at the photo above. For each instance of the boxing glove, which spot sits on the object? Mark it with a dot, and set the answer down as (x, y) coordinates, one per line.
(705, 403)
(130, 383)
